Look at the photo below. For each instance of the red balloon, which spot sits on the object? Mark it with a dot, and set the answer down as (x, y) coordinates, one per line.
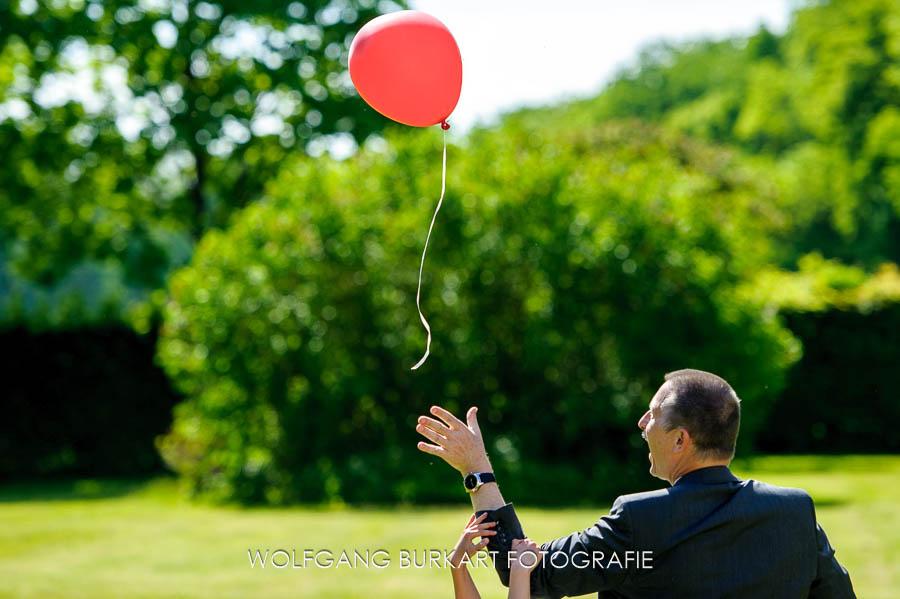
(407, 66)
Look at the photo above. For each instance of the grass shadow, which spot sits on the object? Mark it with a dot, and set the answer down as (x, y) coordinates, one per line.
(76, 489)
(831, 502)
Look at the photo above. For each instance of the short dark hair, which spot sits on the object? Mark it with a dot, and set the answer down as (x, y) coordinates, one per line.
(707, 406)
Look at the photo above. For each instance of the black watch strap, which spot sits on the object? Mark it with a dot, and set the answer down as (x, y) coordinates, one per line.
(474, 480)
(488, 477)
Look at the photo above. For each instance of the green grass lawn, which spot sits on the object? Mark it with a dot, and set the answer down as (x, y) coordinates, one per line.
(138, 539)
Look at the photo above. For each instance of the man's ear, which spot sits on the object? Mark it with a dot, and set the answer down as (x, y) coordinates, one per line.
(683, 440)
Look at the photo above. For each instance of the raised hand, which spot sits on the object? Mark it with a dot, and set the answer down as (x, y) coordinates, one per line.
(456, 442)
(475, 527)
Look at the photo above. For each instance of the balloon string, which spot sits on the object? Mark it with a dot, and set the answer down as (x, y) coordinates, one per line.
(422, 264)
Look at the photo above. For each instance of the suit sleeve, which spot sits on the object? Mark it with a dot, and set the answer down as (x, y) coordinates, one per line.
(832, 579)
(589, 561)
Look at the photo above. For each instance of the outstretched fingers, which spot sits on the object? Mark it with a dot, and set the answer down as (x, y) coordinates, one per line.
(432, 449)
(434, 425)
(431, 435)
(452, 421)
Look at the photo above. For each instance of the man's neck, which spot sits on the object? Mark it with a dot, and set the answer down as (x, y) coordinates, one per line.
(680, 471)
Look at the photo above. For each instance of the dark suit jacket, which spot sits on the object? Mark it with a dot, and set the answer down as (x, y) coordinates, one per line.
(711, 535)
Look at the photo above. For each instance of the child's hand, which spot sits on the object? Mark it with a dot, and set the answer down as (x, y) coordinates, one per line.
(475, 527)
(526, 555)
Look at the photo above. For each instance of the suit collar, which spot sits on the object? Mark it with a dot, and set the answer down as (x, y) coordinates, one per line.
(710, 475)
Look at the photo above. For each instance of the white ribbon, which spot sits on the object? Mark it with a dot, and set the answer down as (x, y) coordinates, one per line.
(422, 264)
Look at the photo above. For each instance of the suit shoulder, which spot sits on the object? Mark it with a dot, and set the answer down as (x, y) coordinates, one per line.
(794, 493)
(761, 489)
(644, 497)
(782, 499)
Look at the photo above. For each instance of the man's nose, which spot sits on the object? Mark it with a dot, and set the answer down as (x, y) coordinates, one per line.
(643, 421)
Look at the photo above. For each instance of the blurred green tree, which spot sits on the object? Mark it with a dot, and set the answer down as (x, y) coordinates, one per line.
(570, 269)
(819, 104)
(128, 128)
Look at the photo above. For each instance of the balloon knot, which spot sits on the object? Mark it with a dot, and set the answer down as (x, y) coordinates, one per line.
(445, 125)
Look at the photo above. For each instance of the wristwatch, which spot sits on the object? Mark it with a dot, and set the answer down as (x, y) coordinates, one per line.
(473, 480)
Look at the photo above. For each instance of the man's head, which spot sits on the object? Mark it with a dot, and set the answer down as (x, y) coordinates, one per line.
(692, 422)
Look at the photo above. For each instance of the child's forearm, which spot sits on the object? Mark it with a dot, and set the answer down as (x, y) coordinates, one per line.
(463, 585)
(519, 584)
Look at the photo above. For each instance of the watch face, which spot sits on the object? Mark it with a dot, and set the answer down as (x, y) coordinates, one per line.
(470, 481)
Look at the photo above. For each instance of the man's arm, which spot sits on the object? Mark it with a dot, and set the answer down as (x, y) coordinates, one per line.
(462, 446)
(577, 564)
(488, 497)
(832, 579)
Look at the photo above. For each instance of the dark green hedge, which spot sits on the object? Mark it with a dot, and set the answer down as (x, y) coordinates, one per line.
(84, 402)
(842, 397)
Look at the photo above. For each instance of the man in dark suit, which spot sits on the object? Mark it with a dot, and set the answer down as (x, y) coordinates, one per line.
(710, 535)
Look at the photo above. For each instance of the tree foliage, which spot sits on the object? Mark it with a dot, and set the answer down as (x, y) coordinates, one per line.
(130, 126)
(568, 270)
(580, 253)
(818, 104)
